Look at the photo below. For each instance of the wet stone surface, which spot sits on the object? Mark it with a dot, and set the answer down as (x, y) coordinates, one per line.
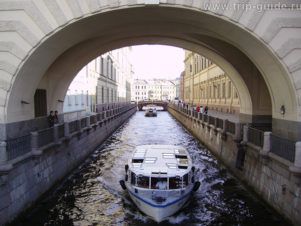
(91, 195)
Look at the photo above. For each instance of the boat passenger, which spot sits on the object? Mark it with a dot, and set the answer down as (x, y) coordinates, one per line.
(161, 185)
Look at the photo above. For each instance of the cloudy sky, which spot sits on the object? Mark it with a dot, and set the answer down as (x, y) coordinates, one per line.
(157, 61)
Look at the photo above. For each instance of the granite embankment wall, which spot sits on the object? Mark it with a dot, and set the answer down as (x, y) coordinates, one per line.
(274, 179)
(25, 180)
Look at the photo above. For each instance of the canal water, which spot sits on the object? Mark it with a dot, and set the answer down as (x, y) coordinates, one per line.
(91, 195)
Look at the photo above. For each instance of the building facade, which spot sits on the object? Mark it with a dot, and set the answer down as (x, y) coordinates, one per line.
(81, 94)
(206, 84)
(140, 90)
(181, 91)
(106, 79)
(177, 85)
(155, 89)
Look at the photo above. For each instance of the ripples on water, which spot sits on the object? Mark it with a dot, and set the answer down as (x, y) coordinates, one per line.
(91, 195)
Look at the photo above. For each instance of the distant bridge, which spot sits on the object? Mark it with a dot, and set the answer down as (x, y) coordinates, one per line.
(163, 104)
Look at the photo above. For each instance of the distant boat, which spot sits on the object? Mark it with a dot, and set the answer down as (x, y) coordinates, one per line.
(160, 179)
(151, 111)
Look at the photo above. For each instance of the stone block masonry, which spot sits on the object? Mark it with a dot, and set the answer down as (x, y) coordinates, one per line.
(28, 179)
(274, 179)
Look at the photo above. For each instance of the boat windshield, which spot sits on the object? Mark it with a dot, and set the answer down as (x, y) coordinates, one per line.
(142, 181)
(160, 183)
(175, 182)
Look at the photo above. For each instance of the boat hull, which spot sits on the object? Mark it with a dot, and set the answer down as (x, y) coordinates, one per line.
(159, 212)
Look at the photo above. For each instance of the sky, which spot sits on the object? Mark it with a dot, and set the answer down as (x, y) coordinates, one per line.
(157, 61)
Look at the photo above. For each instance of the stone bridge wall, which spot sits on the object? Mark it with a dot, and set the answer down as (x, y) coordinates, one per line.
(28, 179)
(271, 177)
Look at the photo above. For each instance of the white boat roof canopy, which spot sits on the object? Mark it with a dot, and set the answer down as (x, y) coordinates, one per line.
(160, 161)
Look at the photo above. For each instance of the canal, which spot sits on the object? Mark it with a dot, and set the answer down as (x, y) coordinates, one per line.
(91, 195)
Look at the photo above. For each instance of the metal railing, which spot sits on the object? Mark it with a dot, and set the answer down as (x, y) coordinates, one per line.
(283, 147)
(99, 116)
(93, 119)
(219, 123)
(262, 126)
(45, 136)
(230, 127)
(211, 120)
(18, 146)
(61, 131)
(73, 126)
(195, 114)
(256, 136)
(200, 116)
(83, 123)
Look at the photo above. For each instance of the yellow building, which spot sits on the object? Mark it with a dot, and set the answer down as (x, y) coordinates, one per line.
(206, 84)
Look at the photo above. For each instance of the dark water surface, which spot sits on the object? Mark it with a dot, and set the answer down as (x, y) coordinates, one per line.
(91, 195)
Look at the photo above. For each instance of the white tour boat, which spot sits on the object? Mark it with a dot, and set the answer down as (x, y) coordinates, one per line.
(151, 111)
(160, 179)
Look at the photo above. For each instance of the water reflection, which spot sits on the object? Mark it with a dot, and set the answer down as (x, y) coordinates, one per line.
(91, 195)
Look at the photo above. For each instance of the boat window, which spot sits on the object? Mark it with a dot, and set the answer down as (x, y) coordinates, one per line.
(159, 183)
(181, 156)
(175, 182)
(185, 180)
(133, 178)
(137, 160)
(182, 167)
(142, 181)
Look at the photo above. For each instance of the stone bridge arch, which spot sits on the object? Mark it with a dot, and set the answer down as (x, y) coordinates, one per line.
(44, 43)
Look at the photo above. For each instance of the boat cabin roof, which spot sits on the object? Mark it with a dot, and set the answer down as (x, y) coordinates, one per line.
(160, 161)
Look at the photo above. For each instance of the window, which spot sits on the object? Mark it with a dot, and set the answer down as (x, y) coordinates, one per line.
(76, 97)
(82, 98)
(142, 181)
(111, 69)
(224, 90)
(159, 183)
(235, 94)
(108, 95)
(101, 66)
(102, 95)
(69, 99)
(175, 182)
(229, 89)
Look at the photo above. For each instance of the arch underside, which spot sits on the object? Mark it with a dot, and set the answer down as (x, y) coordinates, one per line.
(257, 75)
